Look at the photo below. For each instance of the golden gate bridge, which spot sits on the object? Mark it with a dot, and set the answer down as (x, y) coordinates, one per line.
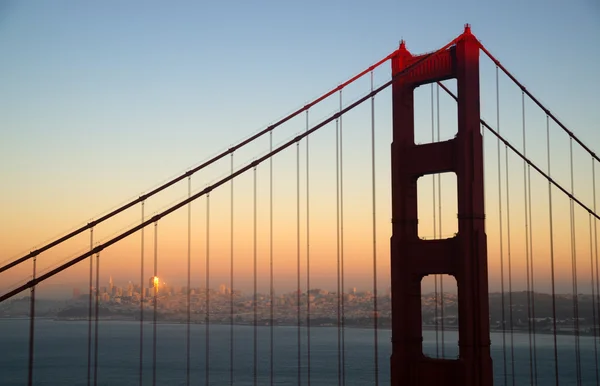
(413, 258)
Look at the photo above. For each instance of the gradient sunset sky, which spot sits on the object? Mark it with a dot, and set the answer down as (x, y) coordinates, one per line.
(100, 102)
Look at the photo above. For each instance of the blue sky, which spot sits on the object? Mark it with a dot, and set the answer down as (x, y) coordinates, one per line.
(101, 101)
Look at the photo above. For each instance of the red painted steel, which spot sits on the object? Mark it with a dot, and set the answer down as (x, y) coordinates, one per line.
(463, 256)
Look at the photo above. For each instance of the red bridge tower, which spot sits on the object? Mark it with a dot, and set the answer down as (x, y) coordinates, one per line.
(463, 256)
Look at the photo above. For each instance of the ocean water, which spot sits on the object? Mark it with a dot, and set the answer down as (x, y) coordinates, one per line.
(61, 355)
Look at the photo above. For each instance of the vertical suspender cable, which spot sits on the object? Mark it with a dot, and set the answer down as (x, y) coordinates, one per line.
(207, 294)
(551, 252)
(508, 253)
(596, 253)
(307, 260)
(594, 319)
(96, 319)
(188, 297)
(500, 228)
(298, 262)
(435, 277)
(255, 295)
(530, 206)
(32, 326)
(231, 280)
(526, 204)
(342, 244)
(156, 284)
(142, 296)
(574, 270)
(271, 289)
(337, 235)
(89, 368)
(375, 310)
(440, 225)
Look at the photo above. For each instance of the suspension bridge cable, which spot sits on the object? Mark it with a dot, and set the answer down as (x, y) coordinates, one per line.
(240, 171)
(271, 288)
(298, 342)
(500, 230)
(307, 260)
(574, 271)
(552, 272)
(156, 284)
(209, 162)
(337, 235)
(594, 319)
(375, 309)
(435, 277)
(527, 160)
(527, 212)
(342, 243)
(189, 293)
(96, 318)
(207, 295)
(141, 354)
(440, 225)
(89, 362)
(32, 328)
(231, 278)
(596, 249)
(548, 113)
(551, 182)
(508, 252)
(533, 326)
(255, 286)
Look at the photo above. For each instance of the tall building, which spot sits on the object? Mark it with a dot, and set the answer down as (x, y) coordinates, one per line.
(110, 285)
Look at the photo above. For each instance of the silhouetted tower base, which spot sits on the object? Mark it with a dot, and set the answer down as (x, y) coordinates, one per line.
(463, 256)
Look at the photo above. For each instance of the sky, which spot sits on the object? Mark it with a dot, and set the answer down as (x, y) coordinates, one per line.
(100, 102)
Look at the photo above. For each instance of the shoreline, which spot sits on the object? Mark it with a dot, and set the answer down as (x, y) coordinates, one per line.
(351, 326)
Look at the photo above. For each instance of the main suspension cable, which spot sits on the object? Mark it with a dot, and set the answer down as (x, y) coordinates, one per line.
(224, 180)
(216, 158)
(548, 113)
(527, 160)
